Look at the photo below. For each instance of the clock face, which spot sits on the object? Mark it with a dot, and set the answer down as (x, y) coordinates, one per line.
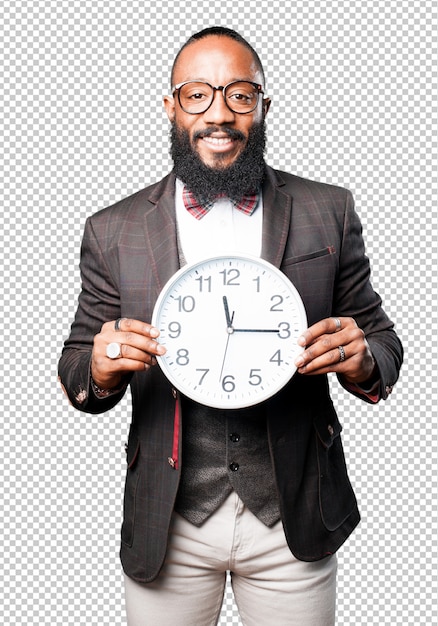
(230, 325)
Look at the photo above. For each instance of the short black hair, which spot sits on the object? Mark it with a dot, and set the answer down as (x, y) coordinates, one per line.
(220, 31)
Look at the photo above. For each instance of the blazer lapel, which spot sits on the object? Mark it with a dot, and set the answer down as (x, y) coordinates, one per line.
(277, 207)
(160, 231)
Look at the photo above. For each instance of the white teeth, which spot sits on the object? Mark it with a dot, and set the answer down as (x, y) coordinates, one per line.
(217, 141)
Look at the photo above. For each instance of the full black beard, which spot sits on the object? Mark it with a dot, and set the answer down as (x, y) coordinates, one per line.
(242, 177)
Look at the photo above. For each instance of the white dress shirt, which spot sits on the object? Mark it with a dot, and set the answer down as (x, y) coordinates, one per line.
(224, 230)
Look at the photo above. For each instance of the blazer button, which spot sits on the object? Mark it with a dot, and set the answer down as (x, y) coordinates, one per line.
(235, 437)
(234, 467)
(330, 430)
(388, 389)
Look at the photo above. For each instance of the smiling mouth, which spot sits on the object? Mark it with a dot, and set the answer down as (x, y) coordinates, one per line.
(218, 141)
(219, 136)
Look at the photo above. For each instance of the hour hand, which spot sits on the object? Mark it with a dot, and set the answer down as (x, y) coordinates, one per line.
(227, 313)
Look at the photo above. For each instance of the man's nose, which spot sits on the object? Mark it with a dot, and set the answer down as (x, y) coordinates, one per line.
(218, 112)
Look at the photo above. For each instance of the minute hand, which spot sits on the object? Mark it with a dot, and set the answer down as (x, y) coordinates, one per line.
(256, 330)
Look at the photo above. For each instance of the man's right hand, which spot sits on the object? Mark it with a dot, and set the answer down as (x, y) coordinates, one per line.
(138, 346)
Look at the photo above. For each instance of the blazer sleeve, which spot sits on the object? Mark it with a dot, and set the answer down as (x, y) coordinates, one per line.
(354, 297)
(99, 302)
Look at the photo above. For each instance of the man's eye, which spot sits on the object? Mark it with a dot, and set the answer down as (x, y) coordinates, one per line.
(197, 96)
(241, 97)
(194, 94)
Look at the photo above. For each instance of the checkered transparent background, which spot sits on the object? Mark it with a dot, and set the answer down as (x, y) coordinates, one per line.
(354, 90)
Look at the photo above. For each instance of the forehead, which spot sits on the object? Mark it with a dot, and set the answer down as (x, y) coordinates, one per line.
(217, 60)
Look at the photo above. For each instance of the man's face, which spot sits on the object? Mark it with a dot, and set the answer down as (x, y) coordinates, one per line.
(218, 61)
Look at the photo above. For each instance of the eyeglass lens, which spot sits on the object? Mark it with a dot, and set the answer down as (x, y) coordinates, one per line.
(196, 97)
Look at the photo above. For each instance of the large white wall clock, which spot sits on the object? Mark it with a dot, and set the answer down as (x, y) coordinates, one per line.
(230, 325)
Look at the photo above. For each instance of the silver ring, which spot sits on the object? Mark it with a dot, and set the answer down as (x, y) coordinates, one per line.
(338, 324)
(341, 354)
(114, 350)
(117, 324)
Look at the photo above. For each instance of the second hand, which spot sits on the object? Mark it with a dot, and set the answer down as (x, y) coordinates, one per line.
(226, 345)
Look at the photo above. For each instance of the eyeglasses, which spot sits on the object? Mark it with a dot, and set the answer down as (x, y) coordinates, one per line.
(240, 96)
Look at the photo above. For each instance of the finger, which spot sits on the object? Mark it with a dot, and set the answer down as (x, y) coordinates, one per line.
(322, 362)
(134, 343)
(148, 355)
(131, 333)
(138, 327)
(326, 326)
(353, 368)
(126, 324)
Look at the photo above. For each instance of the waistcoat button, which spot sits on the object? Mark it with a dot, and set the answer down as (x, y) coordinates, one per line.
(234, 467)
(235, 437)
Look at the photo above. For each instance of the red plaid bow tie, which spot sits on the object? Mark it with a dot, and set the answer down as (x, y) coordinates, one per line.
(246, 204)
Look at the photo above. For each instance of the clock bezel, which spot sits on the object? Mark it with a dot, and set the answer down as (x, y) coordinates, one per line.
(226, 258)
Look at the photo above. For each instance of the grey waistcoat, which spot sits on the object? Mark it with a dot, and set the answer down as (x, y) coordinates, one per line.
(222, 451)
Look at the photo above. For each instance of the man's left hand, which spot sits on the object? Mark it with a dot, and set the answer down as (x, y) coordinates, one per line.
(336, 344)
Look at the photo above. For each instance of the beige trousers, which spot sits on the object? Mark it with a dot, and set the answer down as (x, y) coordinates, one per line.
(271, 587)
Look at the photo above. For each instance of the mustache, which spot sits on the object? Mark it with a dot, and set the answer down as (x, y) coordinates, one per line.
(232, 133)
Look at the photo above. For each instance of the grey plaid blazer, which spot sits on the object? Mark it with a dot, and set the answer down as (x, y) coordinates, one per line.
(129, 250)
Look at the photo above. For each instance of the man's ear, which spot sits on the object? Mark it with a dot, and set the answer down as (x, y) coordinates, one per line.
(169, 105)
(266, 105)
